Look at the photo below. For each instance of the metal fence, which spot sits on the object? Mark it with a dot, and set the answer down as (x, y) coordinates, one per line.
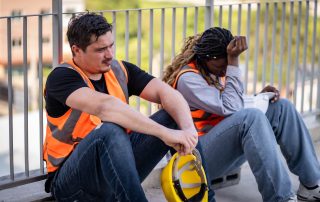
(284, 51)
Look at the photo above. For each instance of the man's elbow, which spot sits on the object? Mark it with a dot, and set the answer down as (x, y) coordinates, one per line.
(103, 108)
(170, 96)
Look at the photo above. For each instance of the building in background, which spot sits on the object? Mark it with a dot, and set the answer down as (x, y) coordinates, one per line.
(34, 7)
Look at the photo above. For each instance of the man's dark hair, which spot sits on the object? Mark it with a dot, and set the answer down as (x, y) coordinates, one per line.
(213, 43)
(83, 26)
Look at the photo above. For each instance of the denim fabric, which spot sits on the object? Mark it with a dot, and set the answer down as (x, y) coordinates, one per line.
(109, 164)
(211, 193)
(251, 135)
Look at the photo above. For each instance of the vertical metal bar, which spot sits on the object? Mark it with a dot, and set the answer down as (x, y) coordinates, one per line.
(162, 41)
(56, 32)
(304, 63)
(256, 51)
(150, 52)
(209, 14)
(25, 94)
(220, 16)
(283, 18)
(139, 51)
(289, 50)
(314, 37)
(275, 19)
(114, 31)
(173, 41)
(196, 14)
(247, 55)
(139, 39)
(230, 17)
(239, 19)
(318, 86)
(184, 30)
(10, 98)
(265, 45)
(127, 33)
(40, 76)
(297, 55)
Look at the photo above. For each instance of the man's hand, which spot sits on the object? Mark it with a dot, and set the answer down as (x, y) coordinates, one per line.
(183, 141)
(269, 88)
(235, 48)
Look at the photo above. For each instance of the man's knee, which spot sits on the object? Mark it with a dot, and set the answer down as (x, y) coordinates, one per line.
(162, 117)
(111, 132)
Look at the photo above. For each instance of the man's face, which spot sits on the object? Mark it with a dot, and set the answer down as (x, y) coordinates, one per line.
(97, 57)
(217, 67)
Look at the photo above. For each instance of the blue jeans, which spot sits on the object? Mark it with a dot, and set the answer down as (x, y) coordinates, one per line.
(109, 164)
(251, 135)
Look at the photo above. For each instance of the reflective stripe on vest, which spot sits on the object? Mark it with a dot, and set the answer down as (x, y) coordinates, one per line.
(202, 120)
(65, 132)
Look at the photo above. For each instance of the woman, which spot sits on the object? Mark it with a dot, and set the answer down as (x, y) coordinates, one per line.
(206, 73)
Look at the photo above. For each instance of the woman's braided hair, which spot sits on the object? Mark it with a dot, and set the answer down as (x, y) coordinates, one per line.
(184, 57)
(212, 44)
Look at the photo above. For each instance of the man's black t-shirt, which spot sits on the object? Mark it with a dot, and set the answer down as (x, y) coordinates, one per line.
(63, 81)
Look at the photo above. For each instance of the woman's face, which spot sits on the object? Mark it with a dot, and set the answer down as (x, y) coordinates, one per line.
(217, 67)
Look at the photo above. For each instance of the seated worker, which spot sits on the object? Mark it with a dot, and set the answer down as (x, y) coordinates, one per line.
(228, 133)
(89, 154)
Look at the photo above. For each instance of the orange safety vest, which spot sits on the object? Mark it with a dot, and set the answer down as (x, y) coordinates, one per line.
(65, 132)
(202, 120)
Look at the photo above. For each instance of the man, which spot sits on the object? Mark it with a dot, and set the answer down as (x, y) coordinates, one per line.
(97, 147)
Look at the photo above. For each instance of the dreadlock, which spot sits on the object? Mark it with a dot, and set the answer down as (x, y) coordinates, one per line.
(212, 44)
(183, 58)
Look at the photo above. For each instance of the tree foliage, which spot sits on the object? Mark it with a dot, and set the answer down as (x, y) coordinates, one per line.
(112, 5)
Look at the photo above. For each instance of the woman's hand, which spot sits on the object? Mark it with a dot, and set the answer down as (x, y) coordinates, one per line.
(269, 88)
(235, 48)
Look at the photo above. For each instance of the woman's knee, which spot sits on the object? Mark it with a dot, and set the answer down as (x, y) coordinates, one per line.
(284, 103)
(282, 106)
(251, 114)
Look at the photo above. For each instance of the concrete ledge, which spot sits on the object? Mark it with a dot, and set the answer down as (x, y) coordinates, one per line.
(28, 192)
(35, 191)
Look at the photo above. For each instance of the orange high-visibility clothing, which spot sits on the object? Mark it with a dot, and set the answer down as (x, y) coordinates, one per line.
(65, 132)
(202, 120)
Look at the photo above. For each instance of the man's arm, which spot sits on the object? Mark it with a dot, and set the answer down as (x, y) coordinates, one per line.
(174, 103)
(111, 109)
(171, 100)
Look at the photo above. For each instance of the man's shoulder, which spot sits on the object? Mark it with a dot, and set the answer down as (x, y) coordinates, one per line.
(61, 75)
(61, 71)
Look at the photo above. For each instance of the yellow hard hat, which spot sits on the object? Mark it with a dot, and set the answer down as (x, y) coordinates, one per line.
(184, 179)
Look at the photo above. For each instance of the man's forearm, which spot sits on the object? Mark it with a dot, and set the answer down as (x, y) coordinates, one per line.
(174, 103)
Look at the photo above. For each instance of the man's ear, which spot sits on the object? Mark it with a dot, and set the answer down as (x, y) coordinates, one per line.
(75, 49)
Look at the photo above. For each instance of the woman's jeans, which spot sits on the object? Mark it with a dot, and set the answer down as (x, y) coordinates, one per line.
(109, 164)
(251, 135)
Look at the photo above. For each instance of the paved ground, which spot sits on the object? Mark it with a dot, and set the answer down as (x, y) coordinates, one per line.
(245, 191)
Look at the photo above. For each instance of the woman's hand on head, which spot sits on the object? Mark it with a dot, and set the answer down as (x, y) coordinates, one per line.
(236, 46)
